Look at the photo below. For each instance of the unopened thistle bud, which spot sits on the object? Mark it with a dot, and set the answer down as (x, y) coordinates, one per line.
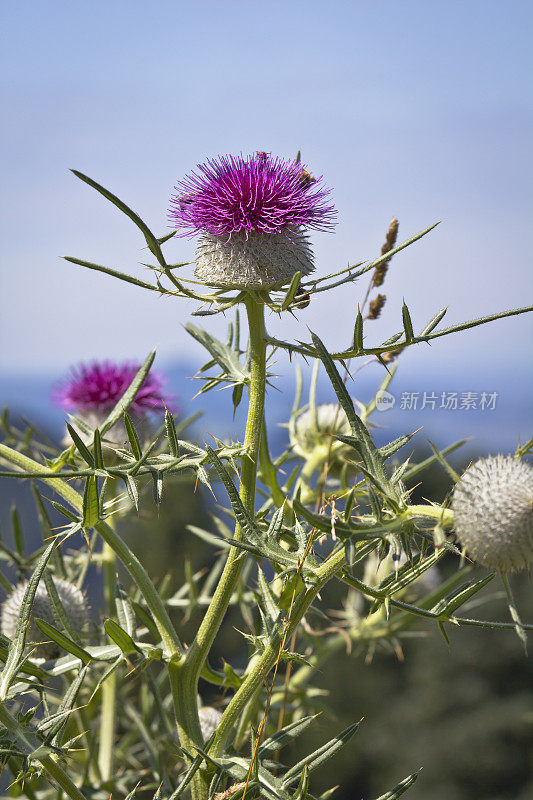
(209, 719)
(317, 427)
(72, 600)
(251, 214)
(375, 306)
(493, 512)
(390, 240)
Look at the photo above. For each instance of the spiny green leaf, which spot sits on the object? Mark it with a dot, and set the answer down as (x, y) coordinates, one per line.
(132, 436)
(301, 792)
(151, 240)
(358, 331)
(434, 321)
(369, 452)
(80, 445)
(144, 616)
(131, 488)
(157, 486)
(17, 531)
(269, 601)
(121, 638)
(63, 641)
(129, 395)
(65, 511)
(391, 448)
(285, 736)
(97, 449)
(115, 273)
(291, 291)
(321, 755)
(91, 504)
(400, 788)
(66, 705)
(125, 612)
(460, 596)
(407, 324)
(172, 435)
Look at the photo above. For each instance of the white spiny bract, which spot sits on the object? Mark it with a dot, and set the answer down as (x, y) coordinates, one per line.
(72, 600)
(253, 260)
(209, 719)
(317, 428)
(493, 512)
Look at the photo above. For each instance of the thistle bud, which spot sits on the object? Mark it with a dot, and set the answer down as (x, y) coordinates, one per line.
(72, 600)
(493, 512)
(316, 428)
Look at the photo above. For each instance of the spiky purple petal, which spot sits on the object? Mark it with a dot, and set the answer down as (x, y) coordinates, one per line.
(252, 193)
(97, 386)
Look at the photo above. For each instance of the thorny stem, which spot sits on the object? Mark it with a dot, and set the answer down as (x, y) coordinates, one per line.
(108, 717)
(31, 744)
(256, 676)
(323, 575)
(187, 671)
(164, 625)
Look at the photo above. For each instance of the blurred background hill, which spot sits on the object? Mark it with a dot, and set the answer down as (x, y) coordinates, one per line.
(465, 712)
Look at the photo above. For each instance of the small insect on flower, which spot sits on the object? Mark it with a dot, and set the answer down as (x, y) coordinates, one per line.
(493, 512)
(72, 600)
(251, 214)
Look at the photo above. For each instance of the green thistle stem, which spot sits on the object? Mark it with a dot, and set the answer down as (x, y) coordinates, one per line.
(324, 573)
(108, 714)
(256, 676)
(166, 630)
(185, 674)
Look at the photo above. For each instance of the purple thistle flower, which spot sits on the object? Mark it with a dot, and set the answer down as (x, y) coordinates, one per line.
(256, 193)
(251, 213)
(96, 387)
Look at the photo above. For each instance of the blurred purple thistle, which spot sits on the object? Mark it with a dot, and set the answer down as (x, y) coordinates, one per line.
(97, 386)
(254, 193)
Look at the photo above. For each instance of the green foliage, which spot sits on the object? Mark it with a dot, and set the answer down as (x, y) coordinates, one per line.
(116, 714)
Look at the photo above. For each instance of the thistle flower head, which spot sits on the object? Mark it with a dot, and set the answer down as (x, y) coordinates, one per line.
(209, 719)
(258, 193)
(493, 512)
(251, 213)
(72, 600)
(316, 427)
(97, 386)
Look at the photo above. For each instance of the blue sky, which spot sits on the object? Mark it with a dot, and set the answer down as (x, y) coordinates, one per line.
(414, 109)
